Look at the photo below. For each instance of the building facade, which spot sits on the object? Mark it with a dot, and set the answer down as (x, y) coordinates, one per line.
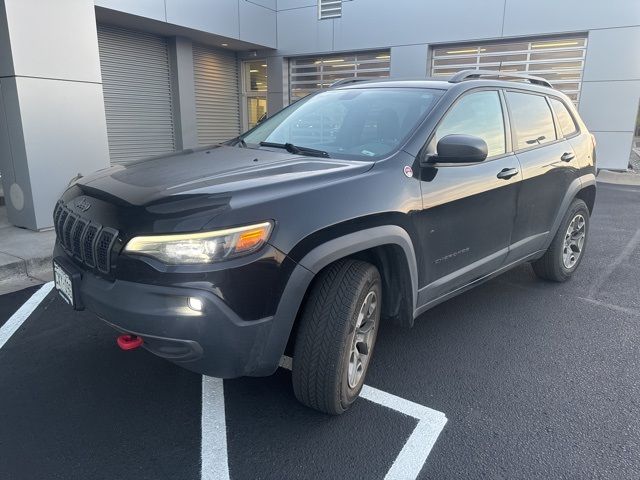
(85, 84)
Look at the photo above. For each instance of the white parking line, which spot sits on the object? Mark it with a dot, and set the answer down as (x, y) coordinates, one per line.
(406, 466)
(213, 448)
(18, 318)
(411, 458)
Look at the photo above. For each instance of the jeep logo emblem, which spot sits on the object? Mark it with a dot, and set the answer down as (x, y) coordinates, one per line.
(83, 205)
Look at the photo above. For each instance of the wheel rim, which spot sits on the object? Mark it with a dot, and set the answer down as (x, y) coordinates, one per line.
(574, 241)
(362, 339)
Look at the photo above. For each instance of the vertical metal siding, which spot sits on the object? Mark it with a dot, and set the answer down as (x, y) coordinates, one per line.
(217, 94)
(136, 81)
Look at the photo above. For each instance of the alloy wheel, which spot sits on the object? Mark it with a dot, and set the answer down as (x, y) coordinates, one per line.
(574, 241)
(362, 339)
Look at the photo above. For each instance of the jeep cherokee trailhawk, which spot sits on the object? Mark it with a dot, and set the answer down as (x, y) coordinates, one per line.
(370, 200)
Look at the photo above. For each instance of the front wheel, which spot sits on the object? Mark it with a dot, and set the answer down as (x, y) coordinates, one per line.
(567, 248)
(336, 336)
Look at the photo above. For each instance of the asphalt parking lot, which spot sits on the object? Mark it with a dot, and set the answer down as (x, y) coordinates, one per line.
(537, 380)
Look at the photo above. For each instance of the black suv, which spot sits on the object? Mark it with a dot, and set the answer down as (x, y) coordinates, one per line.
(373, 199)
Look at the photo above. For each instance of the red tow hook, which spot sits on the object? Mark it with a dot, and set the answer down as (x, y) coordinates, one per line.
(129, 342)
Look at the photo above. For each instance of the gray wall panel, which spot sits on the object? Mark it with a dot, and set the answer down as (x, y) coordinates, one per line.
(613, 54)
(614, 149)
(144, 8)
(57, 154)
(302, 32)
(610, 106)
(41, 46)
(409, 61)
(381, 23)
(553, 16)
(219, 16)
(257, 24)
(271, 4)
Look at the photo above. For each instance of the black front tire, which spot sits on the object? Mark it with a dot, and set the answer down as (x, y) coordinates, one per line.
(552, 266)
(325, 337)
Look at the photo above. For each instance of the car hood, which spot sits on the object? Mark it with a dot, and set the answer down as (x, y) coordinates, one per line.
(216, 170)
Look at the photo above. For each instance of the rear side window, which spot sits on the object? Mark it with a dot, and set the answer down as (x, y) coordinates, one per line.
(478, 114)
(531, 119)
(567, 124)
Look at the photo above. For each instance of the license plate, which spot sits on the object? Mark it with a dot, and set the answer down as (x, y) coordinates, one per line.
(64, 283)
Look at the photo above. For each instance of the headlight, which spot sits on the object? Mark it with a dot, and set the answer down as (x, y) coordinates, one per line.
(202, 247)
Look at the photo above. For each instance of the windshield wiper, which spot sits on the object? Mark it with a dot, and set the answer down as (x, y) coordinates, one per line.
(291, 148)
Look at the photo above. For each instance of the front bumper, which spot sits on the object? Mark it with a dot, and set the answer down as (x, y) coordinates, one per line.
(215, 342)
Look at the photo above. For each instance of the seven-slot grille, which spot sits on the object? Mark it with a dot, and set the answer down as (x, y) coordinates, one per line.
(84, 239)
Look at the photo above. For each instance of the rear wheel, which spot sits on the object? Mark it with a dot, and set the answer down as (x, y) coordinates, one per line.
(567, 248)
(336, 336)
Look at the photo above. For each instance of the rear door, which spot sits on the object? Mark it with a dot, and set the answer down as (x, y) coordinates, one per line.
(468, 209)
(548, 165)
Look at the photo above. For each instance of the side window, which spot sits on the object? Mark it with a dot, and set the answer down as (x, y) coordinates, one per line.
(567, 124)
(531, 119)
(478, 114)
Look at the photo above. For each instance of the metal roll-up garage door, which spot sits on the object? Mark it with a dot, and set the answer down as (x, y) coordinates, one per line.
(217, 96)
(136, 81)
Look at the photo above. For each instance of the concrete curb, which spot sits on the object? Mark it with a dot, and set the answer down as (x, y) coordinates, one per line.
(17, 273)
(618, 178)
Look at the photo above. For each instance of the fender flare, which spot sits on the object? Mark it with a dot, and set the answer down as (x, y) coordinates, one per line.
(572, 191)
(341, 247)
(306, 270)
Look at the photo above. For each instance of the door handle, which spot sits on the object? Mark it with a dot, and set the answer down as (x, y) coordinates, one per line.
(567, 156)
(507, 173)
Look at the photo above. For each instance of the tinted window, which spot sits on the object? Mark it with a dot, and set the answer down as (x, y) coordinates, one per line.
(358, 123)
(531, 119)
(478, 114)
(567, 125)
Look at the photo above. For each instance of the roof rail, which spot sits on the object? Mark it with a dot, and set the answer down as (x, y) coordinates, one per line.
(476, 74)
(346, 81)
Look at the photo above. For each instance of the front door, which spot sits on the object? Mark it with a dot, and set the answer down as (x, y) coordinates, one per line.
(468, 209)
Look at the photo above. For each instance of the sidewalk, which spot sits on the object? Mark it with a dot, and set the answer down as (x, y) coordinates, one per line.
(25, 256)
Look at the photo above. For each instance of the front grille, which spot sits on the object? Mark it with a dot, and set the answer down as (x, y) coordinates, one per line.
(84, 239)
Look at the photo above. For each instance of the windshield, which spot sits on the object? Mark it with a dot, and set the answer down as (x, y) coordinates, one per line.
(360, 124)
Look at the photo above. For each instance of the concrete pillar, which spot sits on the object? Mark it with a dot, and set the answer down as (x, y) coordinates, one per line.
(277, 84)
(184, 95)
(52, 121)
(409, 61)
(611, 92)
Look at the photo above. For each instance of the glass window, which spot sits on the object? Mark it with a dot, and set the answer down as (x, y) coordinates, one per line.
(531, 119)
(359, 123)
(567, 124)
(254, 91)
(558, 60)
(255, 76)
(306, 75)
(478, 114)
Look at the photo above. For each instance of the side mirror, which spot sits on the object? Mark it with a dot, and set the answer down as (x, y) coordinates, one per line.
(460, 149)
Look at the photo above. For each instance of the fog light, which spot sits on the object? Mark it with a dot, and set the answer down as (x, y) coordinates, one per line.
(195, 304)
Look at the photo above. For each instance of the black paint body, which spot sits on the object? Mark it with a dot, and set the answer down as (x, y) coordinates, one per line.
(440, 231)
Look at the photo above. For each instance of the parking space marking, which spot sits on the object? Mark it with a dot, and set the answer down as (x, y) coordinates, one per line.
(624, 255)
(406, 466)
(213, 447)
(18, 318)
(411, 458)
